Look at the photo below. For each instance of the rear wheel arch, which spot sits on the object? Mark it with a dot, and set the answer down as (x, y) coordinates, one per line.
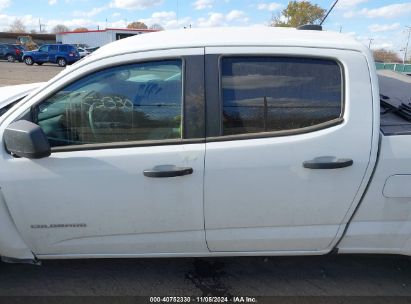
(10, 57)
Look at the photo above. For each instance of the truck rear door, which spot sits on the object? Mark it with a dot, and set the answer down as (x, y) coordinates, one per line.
(289, 138)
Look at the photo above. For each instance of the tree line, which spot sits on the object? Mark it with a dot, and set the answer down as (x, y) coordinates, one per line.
(17, 26)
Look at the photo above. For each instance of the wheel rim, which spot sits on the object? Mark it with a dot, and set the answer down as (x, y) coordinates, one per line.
(10, 58)
(28, 60)
(62, 62)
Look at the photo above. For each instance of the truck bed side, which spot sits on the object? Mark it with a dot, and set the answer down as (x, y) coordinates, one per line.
(382, 223)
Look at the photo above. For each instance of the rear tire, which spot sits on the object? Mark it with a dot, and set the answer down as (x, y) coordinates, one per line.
(10, 58)
(61, 62)
(28, 61)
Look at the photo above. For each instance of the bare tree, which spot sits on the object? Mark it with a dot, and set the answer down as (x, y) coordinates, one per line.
(137, 25)
(17, 27)
(299, 13)
(59, 28)
(156, 27)
(383, 55)
(80, 29)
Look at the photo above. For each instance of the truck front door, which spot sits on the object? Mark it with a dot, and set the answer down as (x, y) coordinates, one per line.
(53, 49)
(42, 54)
(125, 176)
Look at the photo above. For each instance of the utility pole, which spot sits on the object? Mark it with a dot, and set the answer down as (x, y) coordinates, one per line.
(369, 44)
(41, 26)
(406, 45)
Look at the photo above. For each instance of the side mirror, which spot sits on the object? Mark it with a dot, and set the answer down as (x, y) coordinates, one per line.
(26, 139)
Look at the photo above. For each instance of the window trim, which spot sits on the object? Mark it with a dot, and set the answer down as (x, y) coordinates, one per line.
(290, 132)
(128, 144)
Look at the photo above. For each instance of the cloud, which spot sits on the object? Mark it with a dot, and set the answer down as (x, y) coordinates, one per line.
(214, 19)
(4, 4)
(348, 4)
(91, 13)
(388, 11)
(273, 6)
(71, 23)
(167, 19)
(219, 19)
(203, 4)
(135, 4)
(29, 21)
(382, 45)
(52, 2)
(236, 15)
(374, 28)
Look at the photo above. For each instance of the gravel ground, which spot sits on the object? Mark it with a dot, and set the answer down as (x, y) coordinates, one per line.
(12, 73)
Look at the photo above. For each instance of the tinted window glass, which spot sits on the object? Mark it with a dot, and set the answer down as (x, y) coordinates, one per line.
(63, 48)
(126, 103)
(263, 94)
(53, 48)
(44, 48)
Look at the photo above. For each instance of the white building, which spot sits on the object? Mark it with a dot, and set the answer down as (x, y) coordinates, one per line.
(97, 38)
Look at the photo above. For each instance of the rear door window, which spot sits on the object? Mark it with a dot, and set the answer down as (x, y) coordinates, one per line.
(266, 94)
(53, 48)
(63, 48)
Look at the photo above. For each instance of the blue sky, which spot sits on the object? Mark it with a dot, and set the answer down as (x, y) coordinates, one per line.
(382, 20)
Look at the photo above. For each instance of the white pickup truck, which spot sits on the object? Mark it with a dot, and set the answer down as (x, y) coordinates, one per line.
(202, 142)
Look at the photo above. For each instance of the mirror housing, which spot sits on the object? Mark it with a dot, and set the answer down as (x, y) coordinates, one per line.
(26, 139)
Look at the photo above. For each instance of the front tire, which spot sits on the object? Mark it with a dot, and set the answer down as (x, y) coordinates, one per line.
(62, 62)
(39, 63)
(10, 58)
(28, 61)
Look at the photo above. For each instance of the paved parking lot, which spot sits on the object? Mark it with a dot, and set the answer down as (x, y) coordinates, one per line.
(254, 276)
(333, 275)
(12, 73)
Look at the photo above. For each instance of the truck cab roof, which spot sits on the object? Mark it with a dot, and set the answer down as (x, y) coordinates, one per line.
(236, 36)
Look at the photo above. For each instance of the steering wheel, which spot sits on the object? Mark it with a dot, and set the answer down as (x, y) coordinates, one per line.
(104, 104)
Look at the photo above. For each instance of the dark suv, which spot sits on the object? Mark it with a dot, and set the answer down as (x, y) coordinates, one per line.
(10, 52)
(62, 54)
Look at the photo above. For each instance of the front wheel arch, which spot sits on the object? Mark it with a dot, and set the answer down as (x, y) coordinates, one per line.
(28, 60)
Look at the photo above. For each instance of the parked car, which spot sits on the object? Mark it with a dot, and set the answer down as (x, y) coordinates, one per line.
(92, 49)
(268, 143)
(83, 52)
(62, 54)
(10, 52)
